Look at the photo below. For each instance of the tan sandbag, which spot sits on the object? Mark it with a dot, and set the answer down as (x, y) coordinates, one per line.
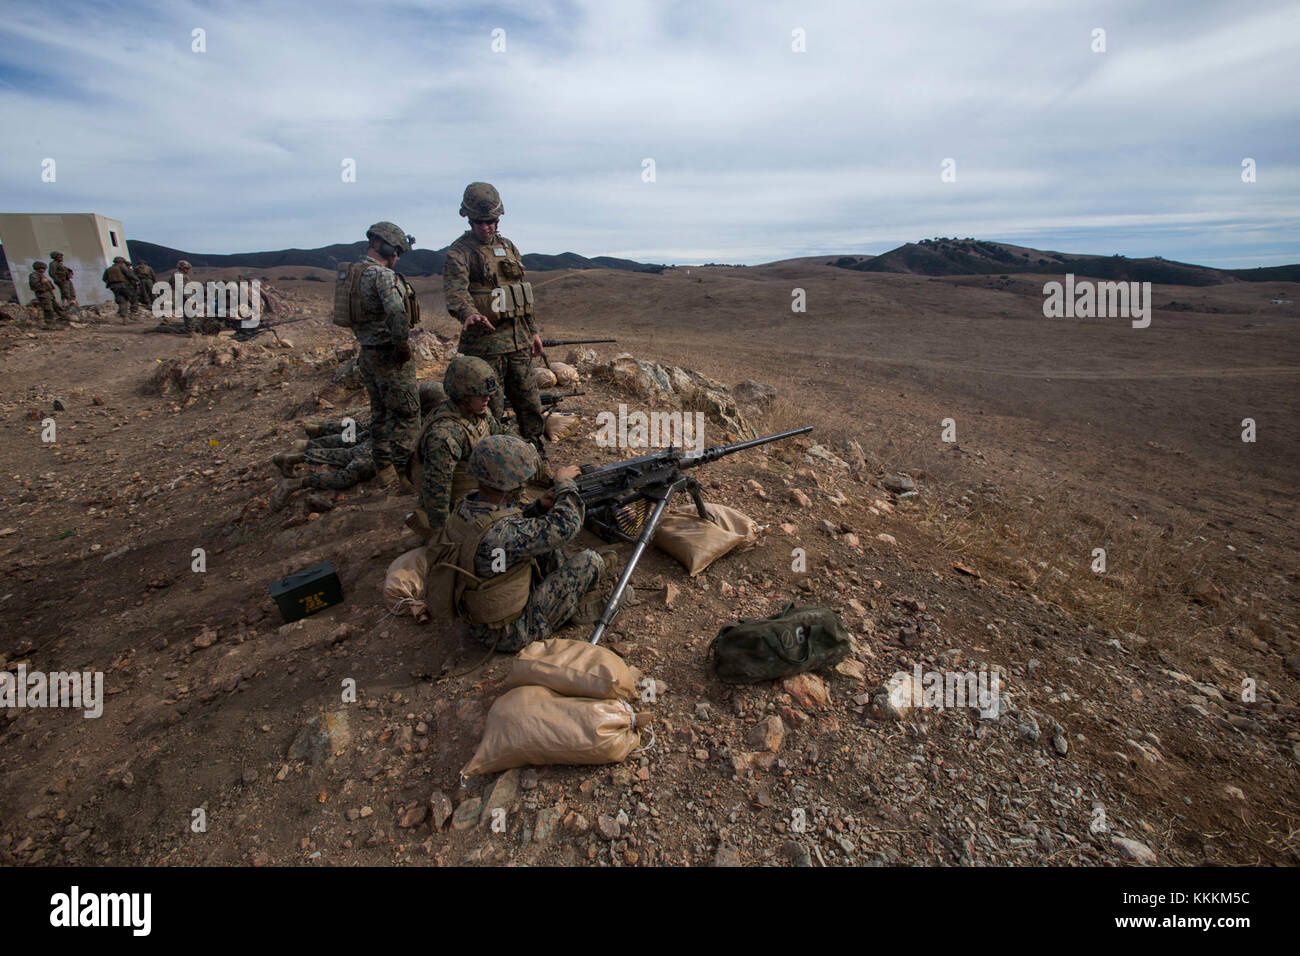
(697, 543)
(404, 585)
(534, 725)
(575, 669)
(544, 377)
(565, 374)
(560, 427)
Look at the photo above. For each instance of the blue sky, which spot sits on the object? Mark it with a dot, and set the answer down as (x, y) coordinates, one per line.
(760, 152)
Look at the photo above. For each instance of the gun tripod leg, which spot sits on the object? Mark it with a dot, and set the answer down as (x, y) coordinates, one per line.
(611, 606)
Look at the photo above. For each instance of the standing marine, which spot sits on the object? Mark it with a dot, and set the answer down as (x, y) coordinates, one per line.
(40, 284)
(386, 311)
(483, 282)
(439, 467)
(121, 282)
(62, 277)
(144, 280)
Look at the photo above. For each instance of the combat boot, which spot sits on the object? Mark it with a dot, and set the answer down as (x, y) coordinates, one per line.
(284, 491)
(300, 446)
(314, 429)
(287, 464)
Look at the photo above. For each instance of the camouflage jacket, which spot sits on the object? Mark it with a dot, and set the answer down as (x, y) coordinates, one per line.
(383, 320)
(39, 283)
(59, 272)
(443, 448)
(144, 275)
(533, 534)
(469, 274)
(117, 274)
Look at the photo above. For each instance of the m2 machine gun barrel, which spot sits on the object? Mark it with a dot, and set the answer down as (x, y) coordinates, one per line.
(627, 498)
(547, 343)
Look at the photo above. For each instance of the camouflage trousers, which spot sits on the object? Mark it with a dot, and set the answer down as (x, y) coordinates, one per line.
(51, 311)
(350, 466)
(514, 370)
(334, 440)
(394, 405)
(125, 299)
(66, 292)
(550, 605)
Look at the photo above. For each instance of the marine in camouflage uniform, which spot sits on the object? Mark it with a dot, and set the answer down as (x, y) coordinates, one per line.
(193, 323)
(40, 284)
(531, 537)
(350, 463)
(144, 280)
(483, 283)
(121, 282)
(383, 329)
(439, 466)
(62, 277)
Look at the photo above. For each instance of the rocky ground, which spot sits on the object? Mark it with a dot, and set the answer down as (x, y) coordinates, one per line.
(225, 738)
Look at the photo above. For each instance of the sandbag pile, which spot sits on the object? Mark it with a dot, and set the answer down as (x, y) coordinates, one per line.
(697, 543)
(568, 702)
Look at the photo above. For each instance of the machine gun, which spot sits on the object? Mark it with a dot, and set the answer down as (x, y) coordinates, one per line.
(628, 498)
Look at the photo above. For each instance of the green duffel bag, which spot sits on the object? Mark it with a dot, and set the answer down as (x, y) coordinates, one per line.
(794, 640)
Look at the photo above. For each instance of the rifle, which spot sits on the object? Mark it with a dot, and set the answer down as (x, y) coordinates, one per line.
(547, 343)
(618, 499)
(550, 401)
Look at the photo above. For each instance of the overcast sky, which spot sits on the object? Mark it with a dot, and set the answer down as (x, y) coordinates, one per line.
(760, 152)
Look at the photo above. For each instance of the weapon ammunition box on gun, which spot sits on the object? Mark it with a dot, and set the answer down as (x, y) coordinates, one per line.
(306, 592)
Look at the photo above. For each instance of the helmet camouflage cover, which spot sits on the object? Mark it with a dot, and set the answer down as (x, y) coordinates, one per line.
(481, 201)
(183, 264)
(468, 376)
(503, 462)
(119, 259)
(56, 255)
(392, 234)
(38, 266)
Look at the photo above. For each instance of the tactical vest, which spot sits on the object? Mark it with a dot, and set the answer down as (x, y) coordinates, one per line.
(118, 275)
(59, 272)
(347, 293)
(453, 590)
(39, 284)
(499, 269)
(474, 430)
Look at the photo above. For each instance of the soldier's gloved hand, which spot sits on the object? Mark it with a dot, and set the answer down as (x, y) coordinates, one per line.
(537, 346)
(568, 471)
(477, 319)
(402, 350)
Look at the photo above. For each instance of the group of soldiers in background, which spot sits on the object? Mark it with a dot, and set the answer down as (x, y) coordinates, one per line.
(60, 278)
(132, 288)
(514, 584)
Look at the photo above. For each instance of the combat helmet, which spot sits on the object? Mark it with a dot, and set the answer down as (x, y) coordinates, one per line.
(503, 462)
(183, 264)
(392, 234)
(468, 376)
(119, 259)
(481, 201)
(56, 255)
(38, 266)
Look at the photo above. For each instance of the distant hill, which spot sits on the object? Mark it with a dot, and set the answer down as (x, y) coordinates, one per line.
(420, 262)
(953, 257)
